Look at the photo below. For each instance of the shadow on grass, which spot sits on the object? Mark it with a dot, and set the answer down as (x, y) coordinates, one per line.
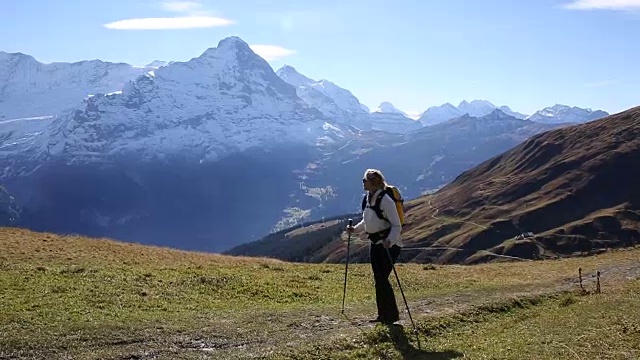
(410, 352)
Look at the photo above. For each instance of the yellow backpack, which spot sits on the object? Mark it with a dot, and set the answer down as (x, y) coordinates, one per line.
(394, 194)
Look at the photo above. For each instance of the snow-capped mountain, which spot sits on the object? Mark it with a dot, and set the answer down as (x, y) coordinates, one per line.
(507, 110)
(342, 97)
(343, 107)
(437, 114)
(476, 108)
(171, 156)
(224, 101)
(559, 114)
(393, 122)
(388, 108)
(387, 117)
(29, 88)
(292, 76)
(496, 122)
(336, 103)
(158, 64)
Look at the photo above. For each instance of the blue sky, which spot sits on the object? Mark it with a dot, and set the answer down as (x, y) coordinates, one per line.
(527, 54)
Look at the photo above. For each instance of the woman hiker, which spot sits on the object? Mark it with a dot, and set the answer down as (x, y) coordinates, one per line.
(384, 236)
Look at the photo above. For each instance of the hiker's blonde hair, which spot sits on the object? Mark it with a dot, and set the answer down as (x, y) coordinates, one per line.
(375, 177)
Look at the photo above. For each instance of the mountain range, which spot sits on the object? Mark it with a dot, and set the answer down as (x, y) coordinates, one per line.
(556, 114)
(218, 150)
(568, 191)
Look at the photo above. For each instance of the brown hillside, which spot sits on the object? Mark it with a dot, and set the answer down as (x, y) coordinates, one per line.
(575, 188)
(25, 246)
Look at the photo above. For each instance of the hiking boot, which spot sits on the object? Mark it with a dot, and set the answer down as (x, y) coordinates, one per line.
(385, 320)
(389, 321)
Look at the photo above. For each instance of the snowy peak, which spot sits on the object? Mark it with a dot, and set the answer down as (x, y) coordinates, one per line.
(224, 68)
(559, 114)
(556, 114)
(6, 57)
(30, 88)
(233, 44)
(437, 114)
(157, 64)
(393, 122)
(388, 108)
(507, 110)
(476, 108)
(226, 100)
(446, 106)
(490, 124)
(231, 68)
(498, 114)
(387, 117)
(333, 101)
(292, 76)
(342, 97)
(230, 50)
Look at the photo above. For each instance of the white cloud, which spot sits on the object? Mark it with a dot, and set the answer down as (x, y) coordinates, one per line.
(194, 15)
(183, 22)
(603, 4)
(271, 52)
(181, 6)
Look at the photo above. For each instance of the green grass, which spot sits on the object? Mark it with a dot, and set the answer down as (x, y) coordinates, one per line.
(594, 327)
(91, 298)
(558, 326)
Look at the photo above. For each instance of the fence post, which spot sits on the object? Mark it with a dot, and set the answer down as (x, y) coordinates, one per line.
(580, 276)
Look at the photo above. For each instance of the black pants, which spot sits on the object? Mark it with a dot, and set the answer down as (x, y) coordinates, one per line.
(385, 298)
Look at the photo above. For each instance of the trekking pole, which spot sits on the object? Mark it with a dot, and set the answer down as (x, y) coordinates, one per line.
(403, 297)
(346, 266)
